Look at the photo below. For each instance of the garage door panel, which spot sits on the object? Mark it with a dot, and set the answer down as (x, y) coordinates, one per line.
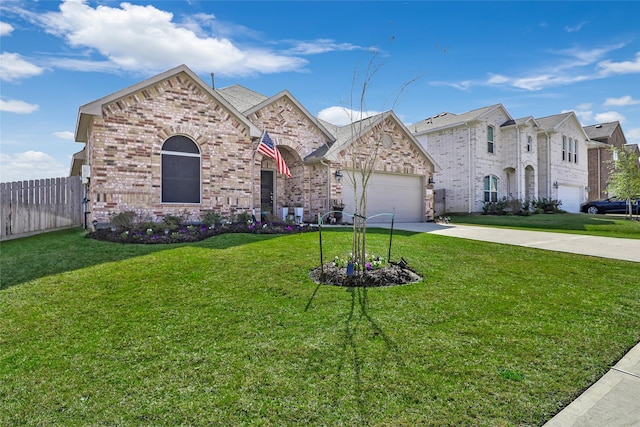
(386, 192)
(571, 198)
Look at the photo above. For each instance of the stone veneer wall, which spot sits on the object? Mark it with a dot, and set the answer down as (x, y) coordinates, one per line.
(125, 146)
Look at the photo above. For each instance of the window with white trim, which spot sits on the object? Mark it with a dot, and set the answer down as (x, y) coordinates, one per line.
(529, 142)
(575, 151)
(490, 188)
(180, 169)
(564, 148)
(490, 143)
(570, 157)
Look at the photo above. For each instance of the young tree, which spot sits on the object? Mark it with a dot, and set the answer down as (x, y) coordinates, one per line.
(624, 180)
(362, 154)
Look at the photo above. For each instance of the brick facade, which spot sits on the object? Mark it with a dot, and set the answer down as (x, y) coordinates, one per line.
(125, 132)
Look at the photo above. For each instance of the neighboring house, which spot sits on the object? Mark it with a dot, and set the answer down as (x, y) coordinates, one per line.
(174, 145)
(486, 155)
(605, 136)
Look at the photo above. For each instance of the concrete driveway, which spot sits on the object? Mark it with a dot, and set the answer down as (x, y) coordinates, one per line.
(605, 247)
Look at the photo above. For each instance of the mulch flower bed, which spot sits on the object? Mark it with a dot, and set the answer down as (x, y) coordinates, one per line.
(193, 233)
(392, 274)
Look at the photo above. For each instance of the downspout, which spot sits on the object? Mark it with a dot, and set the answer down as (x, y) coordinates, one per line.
(469, 166)
(599, 177)
(518, 162)
(548, 164)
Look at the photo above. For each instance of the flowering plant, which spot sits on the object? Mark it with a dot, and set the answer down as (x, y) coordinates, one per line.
(371, 262)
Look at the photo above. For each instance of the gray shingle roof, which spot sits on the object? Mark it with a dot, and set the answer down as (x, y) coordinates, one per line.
(550, 122)
(444, 120)
(601, 131)
(241, 98)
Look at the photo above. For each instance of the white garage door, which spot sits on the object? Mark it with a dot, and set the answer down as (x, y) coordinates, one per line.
(386, 192)
(571, 198)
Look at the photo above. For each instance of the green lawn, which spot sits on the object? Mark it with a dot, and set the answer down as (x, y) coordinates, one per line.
(231, 331)
(596, 225)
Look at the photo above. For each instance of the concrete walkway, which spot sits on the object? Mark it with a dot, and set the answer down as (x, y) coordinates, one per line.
(614, 400)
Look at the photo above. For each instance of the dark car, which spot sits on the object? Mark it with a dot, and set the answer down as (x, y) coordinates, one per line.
(611, 205)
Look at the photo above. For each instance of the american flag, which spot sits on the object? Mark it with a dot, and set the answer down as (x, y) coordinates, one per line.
(268, 148)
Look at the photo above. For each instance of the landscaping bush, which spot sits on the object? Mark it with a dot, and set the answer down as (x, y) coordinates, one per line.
(159, 233)
(547, 205)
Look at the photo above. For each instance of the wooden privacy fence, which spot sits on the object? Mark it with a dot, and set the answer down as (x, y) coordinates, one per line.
(40, 205)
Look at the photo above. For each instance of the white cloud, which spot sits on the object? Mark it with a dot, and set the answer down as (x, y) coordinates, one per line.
(621, 102)
(5, 28)
(575, 28)
(341, 116)
(584, 116)
(632, 135)
(17, 107)
(65, 134)
(30, 165)
(625, 67)
(14, 67)
(609, 116)
(572, 66)
(135, 37)
(320, 46)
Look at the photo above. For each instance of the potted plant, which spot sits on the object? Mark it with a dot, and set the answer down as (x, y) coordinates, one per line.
(337, 207)
(298, 212)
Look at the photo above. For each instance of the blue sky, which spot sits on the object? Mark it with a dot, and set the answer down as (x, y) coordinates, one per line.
(536, 58)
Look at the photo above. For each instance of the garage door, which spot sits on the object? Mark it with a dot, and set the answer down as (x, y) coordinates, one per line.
(386, 192)
(571, 198)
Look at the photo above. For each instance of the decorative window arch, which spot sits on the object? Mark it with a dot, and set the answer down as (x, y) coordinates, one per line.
(181, 170)
(490, 188)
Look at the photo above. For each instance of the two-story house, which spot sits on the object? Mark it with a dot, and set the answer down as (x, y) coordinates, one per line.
(487, 155)
(604, 137)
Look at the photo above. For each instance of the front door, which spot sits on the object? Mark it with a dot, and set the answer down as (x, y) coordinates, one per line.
(267, 181)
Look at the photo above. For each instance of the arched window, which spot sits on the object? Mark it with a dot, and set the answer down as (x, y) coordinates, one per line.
(490, 188)
(180, 170)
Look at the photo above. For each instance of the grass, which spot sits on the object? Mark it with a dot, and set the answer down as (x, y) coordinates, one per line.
(596, 225)
(231, 331)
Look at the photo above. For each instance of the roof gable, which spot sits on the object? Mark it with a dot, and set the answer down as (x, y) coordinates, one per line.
(348, 134)
(553, 123)
(94, 108)
(286, 94)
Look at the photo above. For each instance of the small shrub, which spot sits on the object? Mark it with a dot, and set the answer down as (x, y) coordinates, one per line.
(243, 217)
(499, 207)
(173, 221)
(123, 220)
(547, 205)
(211, 218)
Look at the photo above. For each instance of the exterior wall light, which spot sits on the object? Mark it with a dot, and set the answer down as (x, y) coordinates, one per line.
(338, 175)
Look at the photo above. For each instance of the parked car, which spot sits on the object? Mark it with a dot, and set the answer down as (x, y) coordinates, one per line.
(611, 205)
